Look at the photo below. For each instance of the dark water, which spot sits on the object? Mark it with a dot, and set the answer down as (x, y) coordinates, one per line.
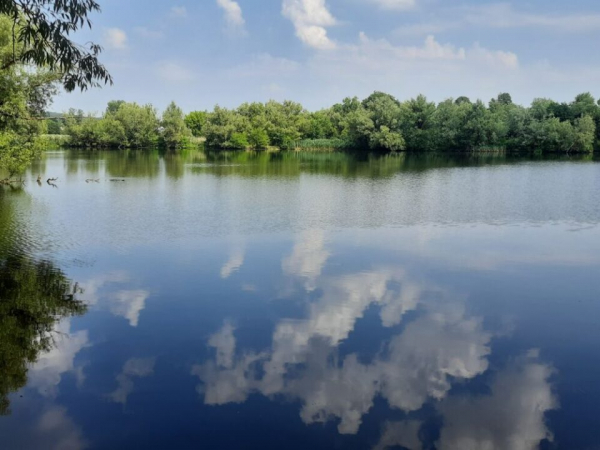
(301, 301)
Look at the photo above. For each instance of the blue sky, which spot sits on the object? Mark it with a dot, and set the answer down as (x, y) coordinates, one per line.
(200, 53)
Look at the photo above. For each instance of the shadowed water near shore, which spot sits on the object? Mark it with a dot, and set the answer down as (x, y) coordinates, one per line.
(300, 300)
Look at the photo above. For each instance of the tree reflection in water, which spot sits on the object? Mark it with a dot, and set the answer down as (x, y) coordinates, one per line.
(34, 297)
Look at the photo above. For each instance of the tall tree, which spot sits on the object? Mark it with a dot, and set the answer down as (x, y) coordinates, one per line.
(24, 95)
(175, 133)
(195, 122)
(36, 53)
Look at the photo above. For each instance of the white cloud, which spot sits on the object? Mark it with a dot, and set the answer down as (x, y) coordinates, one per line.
(315, 36)
(46, 373)
(174, 72)
(400, 434)
(224, 343)
(398, 5)
(431, 49)
(92, 288)
(139, 367)
(129, 304)
(511, 417)
(308, 258)
(494, 58)
(56, 430)
(381, 52)
(179, 11)
(311, 19)
(133, 368)
(233, 14)
(227, 379)
(344, 300)
(441, 345)
(40, 424)
(236, 260)
(123, 303)
(115, 38)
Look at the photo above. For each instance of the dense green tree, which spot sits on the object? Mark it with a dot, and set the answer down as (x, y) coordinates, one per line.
(258, 138)
(561, 111)
(585, 135)
(17, 151)
(385, 114)
(384, 110)
(478, 127)
(239, 140)
(284, 122)
(24, 95)
(519, 129)
(416, 122)
(358, 128)
(584, 105)
(131, 125)
(36, 53)
(113, 106)
(222, 125)
(504, 99)
(448, 125)
(384, 138)
(54, 126)
(140, 123)
(175, 132)
(195, 122)
(541, 108)
(318, 125)
(340, 111)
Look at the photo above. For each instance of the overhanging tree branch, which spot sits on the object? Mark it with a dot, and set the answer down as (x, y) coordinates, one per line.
(43, 35)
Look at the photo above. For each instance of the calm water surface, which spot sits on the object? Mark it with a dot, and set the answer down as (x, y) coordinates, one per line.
(300, 301)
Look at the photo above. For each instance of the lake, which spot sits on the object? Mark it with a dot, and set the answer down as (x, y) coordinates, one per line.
(300, 300)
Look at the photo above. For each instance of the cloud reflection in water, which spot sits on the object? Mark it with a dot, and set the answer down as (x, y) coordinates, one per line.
(439, 346)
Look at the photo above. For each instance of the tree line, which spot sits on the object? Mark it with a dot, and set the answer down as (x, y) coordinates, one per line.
(125, 125)
(379, 122)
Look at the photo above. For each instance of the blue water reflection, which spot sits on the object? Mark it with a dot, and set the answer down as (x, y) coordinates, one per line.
(284, 303)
